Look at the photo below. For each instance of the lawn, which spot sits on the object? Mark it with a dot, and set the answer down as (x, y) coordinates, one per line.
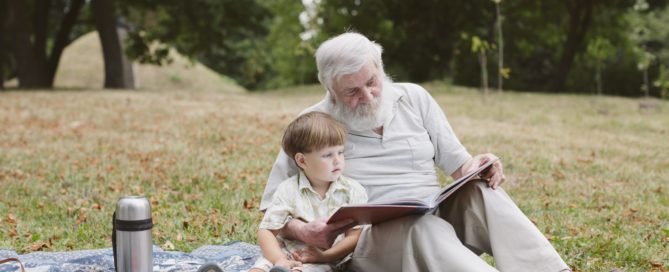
(591, 172)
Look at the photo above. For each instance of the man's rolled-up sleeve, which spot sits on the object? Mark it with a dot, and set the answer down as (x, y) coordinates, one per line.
(450, 154)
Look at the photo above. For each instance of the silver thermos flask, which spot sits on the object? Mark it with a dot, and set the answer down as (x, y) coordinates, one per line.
(131, 235)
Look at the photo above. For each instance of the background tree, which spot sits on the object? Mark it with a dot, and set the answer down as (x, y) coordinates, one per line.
(118, 69)
(5, 61)
(292, 48)
(35, 44)
(480, 48)
(599, 50)
(662, 82)
(650, 37)
(225, 35)
(501, 71)
(419, 38)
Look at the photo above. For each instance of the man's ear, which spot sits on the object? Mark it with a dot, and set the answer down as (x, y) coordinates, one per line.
(333, 99)
(299, 159)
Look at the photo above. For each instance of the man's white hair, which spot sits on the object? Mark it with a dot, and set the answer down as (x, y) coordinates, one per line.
(344, 55)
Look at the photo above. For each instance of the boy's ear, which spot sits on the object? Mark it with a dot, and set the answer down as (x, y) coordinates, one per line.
(299, 159)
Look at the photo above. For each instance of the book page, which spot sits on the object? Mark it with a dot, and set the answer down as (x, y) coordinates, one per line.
(448, 190)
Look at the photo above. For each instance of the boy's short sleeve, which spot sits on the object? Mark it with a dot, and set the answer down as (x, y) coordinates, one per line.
(278, 214)
(358, 194)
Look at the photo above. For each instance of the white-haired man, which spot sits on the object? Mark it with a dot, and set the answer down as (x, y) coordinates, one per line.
(397, 135)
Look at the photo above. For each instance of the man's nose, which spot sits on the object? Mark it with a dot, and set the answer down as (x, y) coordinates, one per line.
(366, 94)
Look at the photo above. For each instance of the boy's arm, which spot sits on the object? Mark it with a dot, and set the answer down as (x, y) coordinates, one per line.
(270, 245)
(344, 247)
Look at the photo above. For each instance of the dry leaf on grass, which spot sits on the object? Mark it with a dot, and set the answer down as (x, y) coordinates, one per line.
(168, 245)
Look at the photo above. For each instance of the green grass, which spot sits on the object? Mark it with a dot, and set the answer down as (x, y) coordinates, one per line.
(591, 172)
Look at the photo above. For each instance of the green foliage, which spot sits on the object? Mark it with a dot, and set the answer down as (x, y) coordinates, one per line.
(291, 56)
(662, 82)
(419, 37)
(224, 35)
(599, 50)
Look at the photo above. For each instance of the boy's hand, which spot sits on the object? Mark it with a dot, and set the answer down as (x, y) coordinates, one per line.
(288, 264)
(310, 255)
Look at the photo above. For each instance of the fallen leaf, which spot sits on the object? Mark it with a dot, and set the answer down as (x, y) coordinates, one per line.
(137, 190)
(558, 175)
(13, 233)
(11, 219)
(168, 245)
(82, 216)
(231, 230)
(248, 204)
(39, 246)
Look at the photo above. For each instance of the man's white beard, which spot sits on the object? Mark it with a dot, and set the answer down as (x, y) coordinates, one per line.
(365, 116)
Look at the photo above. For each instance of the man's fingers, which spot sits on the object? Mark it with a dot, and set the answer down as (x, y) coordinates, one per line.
(342, 224)
(497, 180)
(296, 256)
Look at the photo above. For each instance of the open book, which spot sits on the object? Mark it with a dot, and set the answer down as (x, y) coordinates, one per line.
(373, 213)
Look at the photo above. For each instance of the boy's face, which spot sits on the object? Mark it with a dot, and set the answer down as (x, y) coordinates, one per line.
(324, 165)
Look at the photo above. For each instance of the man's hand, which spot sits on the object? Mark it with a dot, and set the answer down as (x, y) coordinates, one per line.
(494, 175)
(316, 233)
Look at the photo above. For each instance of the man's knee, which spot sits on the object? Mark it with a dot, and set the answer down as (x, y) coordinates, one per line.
(427, 227)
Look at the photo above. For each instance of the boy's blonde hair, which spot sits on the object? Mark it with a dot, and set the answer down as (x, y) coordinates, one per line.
(312, 131)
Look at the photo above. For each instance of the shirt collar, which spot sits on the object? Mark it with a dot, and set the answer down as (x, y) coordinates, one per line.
(304, 184)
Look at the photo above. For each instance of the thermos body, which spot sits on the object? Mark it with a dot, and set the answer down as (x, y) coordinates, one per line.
(133, 246)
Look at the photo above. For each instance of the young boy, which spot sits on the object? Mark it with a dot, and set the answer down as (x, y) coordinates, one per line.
(316, 142)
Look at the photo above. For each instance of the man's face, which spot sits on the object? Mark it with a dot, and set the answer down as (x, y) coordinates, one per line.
(359, 89)
(358, 102)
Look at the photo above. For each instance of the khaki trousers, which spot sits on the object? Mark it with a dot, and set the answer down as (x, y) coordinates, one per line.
(475, 220)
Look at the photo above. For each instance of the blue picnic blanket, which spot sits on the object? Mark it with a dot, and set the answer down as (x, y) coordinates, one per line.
(235, 256)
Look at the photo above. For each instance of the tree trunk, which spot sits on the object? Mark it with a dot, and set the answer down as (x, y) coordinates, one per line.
(118, 70)
(580, 18)
(29, 41)
(598, 79)
(483, 61)
(4, 51)
(31, 70)
(500, 48)
(646, 83)
(62, 37)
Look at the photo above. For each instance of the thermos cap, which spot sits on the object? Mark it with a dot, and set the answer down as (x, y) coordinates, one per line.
(133, 208)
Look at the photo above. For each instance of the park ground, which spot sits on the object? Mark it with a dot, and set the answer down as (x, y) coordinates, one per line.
(591, 172)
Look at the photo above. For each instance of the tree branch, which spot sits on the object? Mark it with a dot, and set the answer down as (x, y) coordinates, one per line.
(62, 38)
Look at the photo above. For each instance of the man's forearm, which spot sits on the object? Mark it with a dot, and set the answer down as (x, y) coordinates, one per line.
(291, 230)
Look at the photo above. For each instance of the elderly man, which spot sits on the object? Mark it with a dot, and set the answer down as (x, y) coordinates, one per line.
(397, 135)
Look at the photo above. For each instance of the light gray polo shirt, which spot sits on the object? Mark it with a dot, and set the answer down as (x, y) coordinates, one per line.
(399, 164)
